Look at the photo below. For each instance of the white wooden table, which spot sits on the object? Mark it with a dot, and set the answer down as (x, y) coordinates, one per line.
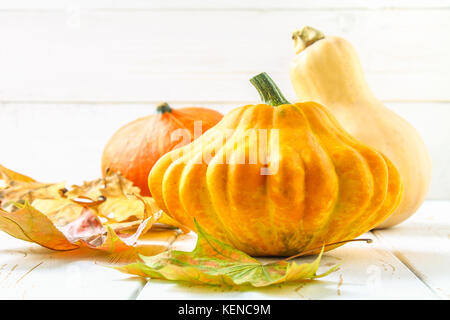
(411, 261)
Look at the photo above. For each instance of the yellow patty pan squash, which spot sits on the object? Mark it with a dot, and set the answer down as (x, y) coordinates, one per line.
(326, 69)
(276, 179)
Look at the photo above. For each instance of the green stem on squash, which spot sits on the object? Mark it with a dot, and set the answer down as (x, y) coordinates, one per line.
(163, 107)
(268, 91)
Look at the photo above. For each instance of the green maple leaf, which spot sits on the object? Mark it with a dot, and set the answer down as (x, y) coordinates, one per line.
(213, 262)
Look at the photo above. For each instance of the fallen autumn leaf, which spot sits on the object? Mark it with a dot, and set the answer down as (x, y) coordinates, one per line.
(213, 262)
(104, 214)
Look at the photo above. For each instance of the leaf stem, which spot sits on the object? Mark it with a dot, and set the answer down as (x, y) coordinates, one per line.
(326, 245)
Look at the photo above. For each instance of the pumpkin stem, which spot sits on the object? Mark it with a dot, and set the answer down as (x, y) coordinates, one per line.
(163, 107)
(326, 245)
(305, 37)
(268, 91)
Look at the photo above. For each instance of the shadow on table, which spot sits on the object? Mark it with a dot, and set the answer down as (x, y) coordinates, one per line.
(307, 289)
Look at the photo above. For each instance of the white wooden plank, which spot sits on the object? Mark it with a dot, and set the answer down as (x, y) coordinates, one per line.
(126, 55)
(54, 142)
(28, 271)
(220, 4)
(423, 244)
(367, 272)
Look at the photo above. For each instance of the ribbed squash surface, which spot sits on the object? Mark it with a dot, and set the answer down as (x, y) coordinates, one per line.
(325, 185)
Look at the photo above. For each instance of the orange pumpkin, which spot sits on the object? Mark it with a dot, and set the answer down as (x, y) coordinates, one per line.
(134, 148)
(313, 183)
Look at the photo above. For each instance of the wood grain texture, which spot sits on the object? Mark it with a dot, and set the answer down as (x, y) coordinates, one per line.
(407, 262)
(28, 271)
(423, 245)
(142, 55)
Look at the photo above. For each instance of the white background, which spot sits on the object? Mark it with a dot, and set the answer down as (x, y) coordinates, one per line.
(73, 72)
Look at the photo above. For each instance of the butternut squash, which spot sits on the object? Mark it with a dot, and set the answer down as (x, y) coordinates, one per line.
(327, 70)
